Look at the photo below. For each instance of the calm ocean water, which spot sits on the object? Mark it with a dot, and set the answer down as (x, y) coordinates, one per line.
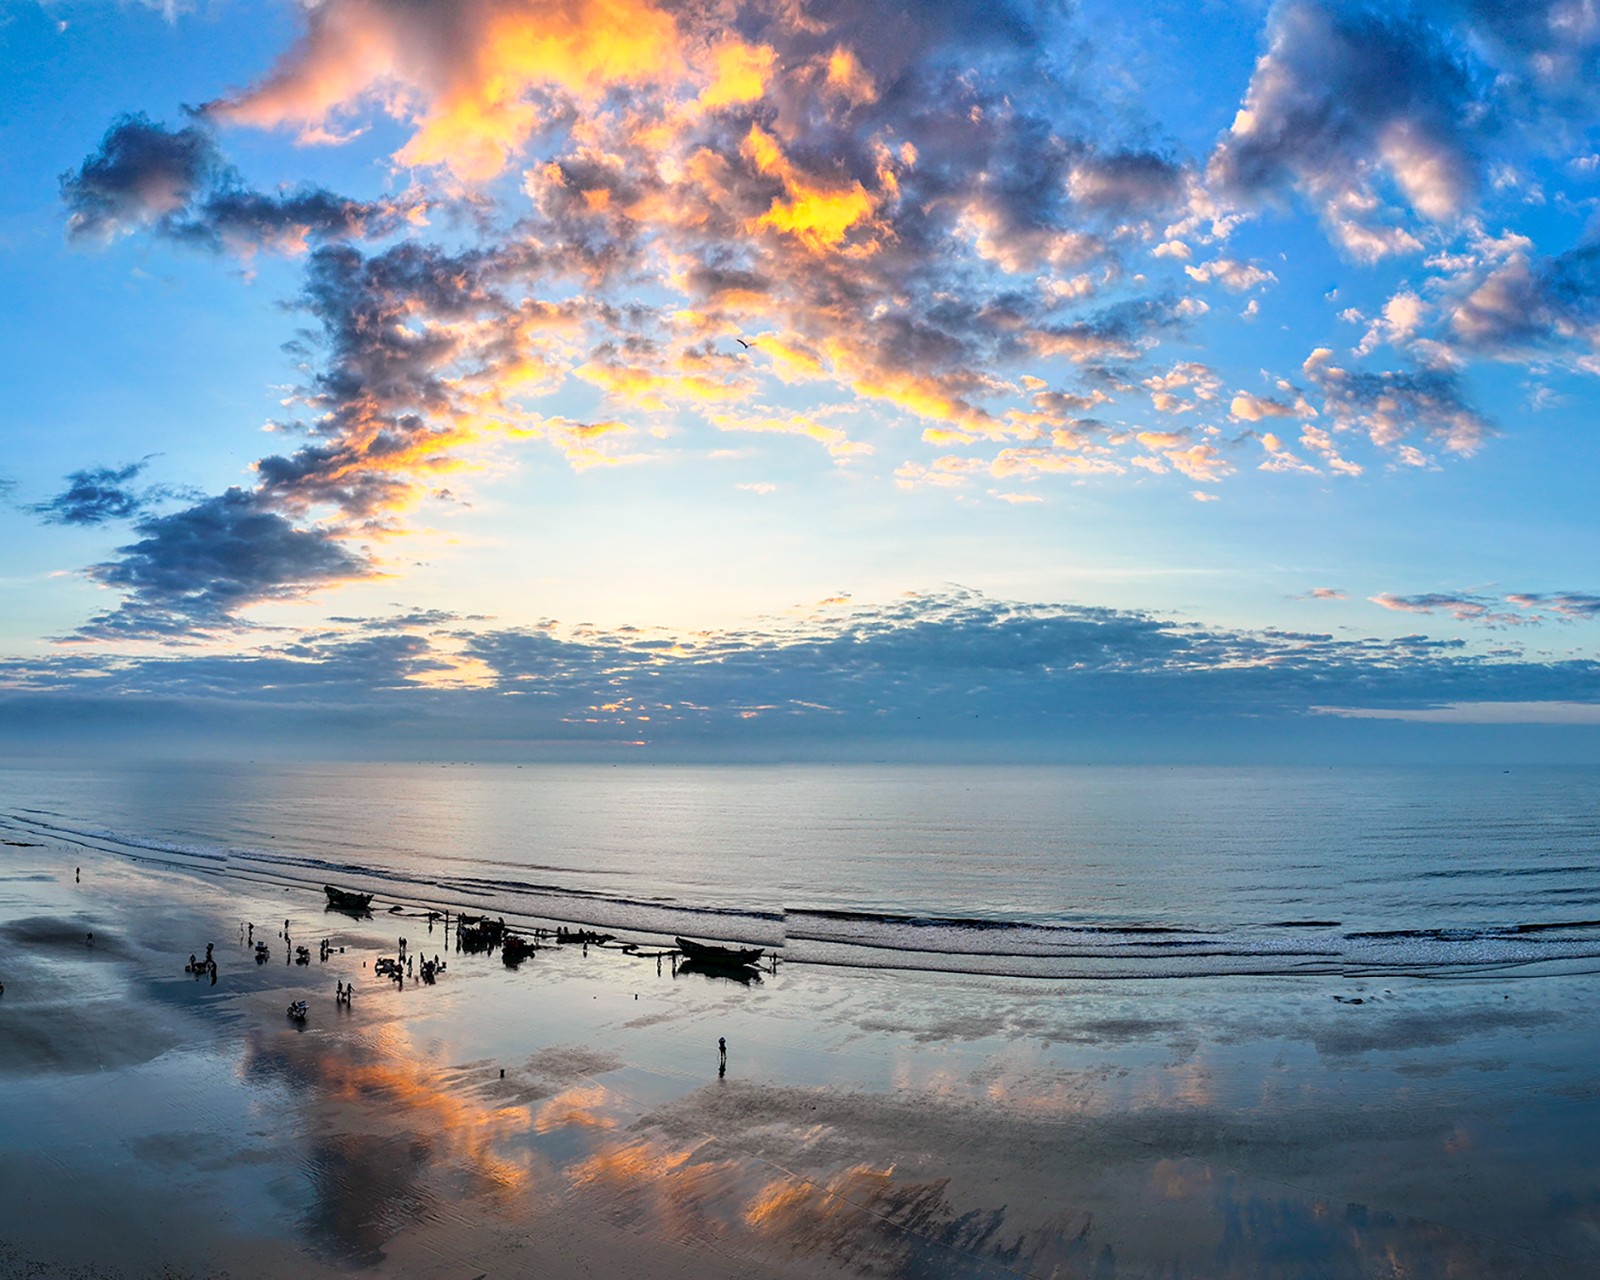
(1048, 871)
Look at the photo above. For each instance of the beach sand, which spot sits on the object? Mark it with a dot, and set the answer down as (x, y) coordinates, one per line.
(870, 1123)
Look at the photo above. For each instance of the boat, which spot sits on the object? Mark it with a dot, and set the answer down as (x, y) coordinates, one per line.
(515, 949)
(479, 933)
(345, 900)
(720, 957)
(743, 974)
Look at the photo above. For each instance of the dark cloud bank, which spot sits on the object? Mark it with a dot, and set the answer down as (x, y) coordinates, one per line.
(942, 677)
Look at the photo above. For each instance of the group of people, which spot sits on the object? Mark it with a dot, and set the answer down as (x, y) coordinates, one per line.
(202, 967)
(406, 967)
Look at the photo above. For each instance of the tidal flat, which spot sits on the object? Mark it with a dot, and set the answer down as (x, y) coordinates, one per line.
(568, 1117)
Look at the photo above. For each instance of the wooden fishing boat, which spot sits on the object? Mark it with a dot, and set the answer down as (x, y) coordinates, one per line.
(722, 957)
(345, 900)
(515, 949)
(745, 975)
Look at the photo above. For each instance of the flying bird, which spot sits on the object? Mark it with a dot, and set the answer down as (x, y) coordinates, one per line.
(744, 344)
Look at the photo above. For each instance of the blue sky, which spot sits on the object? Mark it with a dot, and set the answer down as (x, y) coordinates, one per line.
(630, 379)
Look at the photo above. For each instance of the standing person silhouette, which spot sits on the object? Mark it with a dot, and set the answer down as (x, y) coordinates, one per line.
(722, 1054)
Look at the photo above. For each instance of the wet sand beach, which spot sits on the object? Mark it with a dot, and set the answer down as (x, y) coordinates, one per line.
(868, 1124)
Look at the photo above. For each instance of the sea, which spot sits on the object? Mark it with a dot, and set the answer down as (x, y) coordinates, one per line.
(1047, 872)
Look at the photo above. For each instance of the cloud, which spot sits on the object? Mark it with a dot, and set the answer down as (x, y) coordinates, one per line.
(1281, 458)
(96, 495)
(141, 174)
(1231, 274)
(193, 570)
(1525, 305)
(1252, 408)
(1548, 51)
(939, 673)
(1135, 183)
(1122, 332)
(833, 439)
(409, 379)
(1566, 604)
(473, 77)
(1463, 608)
(1341, 96)
(919, 227)
(811, 170)
(1402, 316)
(1530, 606)
(1553, 712)
(1393, 407)
(176, 183)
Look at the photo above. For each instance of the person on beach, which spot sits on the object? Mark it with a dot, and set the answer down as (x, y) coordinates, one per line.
(722, 1052)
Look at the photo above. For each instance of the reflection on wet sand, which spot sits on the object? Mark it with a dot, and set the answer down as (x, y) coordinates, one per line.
(964, 1193)
(581, 1106)
(1002, 1173)
(1276, 1233)
(863, 1219)
(387, 1140)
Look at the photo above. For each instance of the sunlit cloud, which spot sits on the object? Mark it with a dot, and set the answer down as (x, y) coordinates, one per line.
(624, 228)
(465, 75)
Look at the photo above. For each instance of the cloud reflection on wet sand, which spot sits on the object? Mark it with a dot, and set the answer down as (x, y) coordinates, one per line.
(389, 1141)
(1010, 1169)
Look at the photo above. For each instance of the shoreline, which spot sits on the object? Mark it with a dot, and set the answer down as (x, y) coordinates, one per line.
(1048, 951)
(885, 1123)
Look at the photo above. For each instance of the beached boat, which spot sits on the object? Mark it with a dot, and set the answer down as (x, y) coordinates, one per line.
(723, 957)
(345, 900)
(479, 933)
(516, 949)
(745, 975)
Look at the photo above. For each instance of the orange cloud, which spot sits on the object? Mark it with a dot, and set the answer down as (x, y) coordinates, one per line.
(651, 389)
(740, 73)
(464, 74)
(848, 77)
(833, 439)
(819, 216)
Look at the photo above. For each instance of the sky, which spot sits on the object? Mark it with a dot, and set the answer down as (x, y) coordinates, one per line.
(635, 380)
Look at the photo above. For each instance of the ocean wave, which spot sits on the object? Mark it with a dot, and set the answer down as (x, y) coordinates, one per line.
(864, 937)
